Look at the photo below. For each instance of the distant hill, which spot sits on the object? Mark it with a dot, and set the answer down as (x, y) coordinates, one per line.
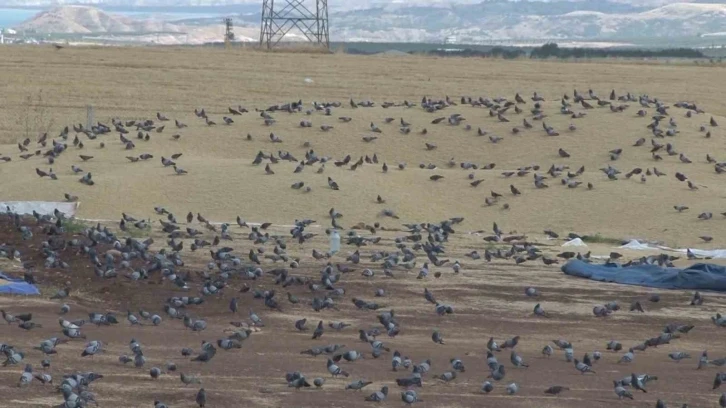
(606, 21)
(588, 19)
(86, 20)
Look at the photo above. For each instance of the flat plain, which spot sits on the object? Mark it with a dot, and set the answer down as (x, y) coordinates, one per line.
(43, 90)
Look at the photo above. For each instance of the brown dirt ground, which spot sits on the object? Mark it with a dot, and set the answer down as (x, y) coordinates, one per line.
(135, 83)
(488, 301)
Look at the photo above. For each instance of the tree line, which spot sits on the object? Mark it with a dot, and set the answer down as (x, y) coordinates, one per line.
(552, 50)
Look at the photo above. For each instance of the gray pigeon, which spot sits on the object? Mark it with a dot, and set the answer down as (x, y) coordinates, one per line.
(627, 357)
(492, 362)
(623, 393)
(334, 370)
(457, 365)
(155, 372)
(678, 356)
(358, 385)
(637, 382)
(437, 338)
(582, 367)
(378, 396)
(300, 324)
(517, 360)
(410, 397)
(27, 377)
(44, 378)
(61, 293)
(256, 321)
(498, 373)
(511, 343)
(539, 311)
(201, 398)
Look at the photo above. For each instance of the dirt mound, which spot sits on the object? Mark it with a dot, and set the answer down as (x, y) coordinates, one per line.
(55, 258)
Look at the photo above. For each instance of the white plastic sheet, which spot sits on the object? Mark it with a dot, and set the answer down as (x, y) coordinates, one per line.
(636, 245)
(41, 207)
(577, 242)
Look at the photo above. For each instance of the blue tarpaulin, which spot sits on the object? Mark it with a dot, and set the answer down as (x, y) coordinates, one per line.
(699, 276)
(12, 286)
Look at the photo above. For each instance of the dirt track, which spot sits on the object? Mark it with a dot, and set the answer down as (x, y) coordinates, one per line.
(488, 301)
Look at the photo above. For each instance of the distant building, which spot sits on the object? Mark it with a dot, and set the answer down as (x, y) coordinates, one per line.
(450, 39)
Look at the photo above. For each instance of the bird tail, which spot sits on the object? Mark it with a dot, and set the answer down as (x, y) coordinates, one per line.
(344, 373)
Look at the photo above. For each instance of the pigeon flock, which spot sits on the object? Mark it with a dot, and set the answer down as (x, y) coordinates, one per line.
(225, 287)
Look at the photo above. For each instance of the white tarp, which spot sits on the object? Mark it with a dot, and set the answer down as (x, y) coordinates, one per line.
(41, 207)
(707, 253)
(577, 242)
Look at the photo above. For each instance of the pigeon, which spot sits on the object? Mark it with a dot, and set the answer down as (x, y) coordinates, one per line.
(583, 368)
(539, 311)
(517, 360)
(436, 337)
(201, 398)
(555, 390)
(378, 396)
(627, 357)
(678, 356)
(623, 393)
(410, 397)
(27, 377)
(358, 385)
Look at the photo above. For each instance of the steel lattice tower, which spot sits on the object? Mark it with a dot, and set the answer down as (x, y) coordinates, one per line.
(279, 17)
(228, 32)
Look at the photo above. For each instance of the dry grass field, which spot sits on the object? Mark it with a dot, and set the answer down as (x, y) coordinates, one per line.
(43, 90)
(135, 83)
